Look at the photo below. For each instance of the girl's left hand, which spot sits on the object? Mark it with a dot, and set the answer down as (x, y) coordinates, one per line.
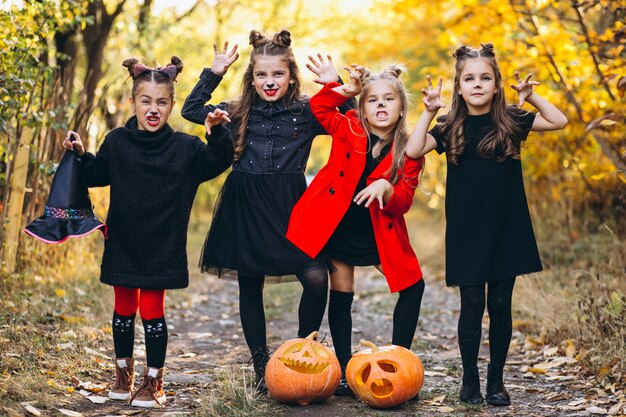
(215, 117)
(355, 85)
(524, 88)
(375, 191)
(325, 70)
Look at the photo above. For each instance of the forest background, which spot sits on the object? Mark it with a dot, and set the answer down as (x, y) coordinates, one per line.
(60, 68)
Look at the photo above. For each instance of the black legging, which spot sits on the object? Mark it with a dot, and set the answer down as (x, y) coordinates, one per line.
(405, 317)
(406, 314)
(499, 297)
(310, 311)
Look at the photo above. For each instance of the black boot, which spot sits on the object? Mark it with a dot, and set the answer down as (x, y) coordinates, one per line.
(470, 390)
(343, 389)
(260, 357)
(496, 393)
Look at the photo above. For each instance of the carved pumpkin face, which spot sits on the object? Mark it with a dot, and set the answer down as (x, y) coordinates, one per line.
(302, 371)
(385, 377)
(306, 357)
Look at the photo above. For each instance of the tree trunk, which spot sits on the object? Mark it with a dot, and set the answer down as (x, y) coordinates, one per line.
(17, 186)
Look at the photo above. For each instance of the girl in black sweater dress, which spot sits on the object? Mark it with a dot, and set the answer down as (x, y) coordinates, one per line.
(489, 234)
(153, 172)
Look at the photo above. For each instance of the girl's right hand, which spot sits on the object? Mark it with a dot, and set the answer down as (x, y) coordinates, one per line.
(77, 143)
(432, 100)
(223, 60)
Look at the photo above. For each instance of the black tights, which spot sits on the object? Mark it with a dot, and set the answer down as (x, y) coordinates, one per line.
(310, 311)
(405, 317)
(499, 296)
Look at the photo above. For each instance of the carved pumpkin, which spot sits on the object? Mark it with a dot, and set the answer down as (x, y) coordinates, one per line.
(384, 377)
(302, 371)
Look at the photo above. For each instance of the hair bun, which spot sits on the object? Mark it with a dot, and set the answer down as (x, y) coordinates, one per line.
(461, 51)
(282, 38)
(394, 70)
(130, 66)
(487, 49)
(257, 38)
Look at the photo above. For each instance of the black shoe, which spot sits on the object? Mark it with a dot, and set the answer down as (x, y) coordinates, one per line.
(343, 389)
(470, 390)
(260, 357)
(496, 392)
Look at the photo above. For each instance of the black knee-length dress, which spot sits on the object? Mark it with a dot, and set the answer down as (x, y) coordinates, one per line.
(247, 234)
(489, 233)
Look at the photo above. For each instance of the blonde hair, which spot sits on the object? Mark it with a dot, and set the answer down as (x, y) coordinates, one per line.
(399, 135)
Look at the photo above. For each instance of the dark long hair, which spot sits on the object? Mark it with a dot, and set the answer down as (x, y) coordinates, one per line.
(504, 140)
(239, 108)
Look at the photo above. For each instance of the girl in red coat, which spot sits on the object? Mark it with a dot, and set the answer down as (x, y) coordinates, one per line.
(354, 207)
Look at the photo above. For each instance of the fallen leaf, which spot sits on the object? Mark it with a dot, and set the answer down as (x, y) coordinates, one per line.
(97, 399)
(570, 349)
(602, 373)
(69, 413)
(613, 411)
(596, 410)
(435, 401)
(188, 355)
(96, 353)
(558, 397)
(431, 373)
(29, 407)
(536, 370)
(445, 409)
(59, 292)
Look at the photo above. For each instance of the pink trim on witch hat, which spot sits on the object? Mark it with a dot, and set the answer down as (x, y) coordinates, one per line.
(68, 212)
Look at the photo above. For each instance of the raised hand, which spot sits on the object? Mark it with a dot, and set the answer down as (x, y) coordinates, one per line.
(324, 69)
(223, 60)
(215, 117)
(354, 86)
(432, 96)
(524, 88)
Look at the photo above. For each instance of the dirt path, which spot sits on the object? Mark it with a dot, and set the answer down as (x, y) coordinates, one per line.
(205, 336)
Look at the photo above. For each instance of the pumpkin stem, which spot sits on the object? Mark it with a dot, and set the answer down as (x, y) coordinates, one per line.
(313, 335)
(369, 345)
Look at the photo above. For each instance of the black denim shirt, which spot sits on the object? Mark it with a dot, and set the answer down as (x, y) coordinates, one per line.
(279, 135)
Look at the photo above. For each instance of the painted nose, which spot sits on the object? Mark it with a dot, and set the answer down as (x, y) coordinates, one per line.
(270, 85)
(381, 104)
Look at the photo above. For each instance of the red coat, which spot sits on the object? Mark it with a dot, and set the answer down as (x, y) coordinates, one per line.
(320, 209)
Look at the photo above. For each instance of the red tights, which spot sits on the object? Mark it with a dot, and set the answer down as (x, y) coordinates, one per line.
(150, 303)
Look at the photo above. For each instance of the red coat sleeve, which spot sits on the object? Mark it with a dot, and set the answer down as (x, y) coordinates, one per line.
(404, 190)
(324, 106)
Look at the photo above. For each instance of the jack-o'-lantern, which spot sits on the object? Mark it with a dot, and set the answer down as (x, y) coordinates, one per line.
(302, 371)
(384, 376)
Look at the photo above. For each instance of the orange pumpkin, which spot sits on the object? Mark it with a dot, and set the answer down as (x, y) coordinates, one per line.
(385, 376)
(302, 371)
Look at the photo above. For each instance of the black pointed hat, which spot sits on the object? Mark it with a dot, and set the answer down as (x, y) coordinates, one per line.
(68, 212)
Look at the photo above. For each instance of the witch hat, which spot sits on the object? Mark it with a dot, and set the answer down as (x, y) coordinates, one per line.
(68, 212)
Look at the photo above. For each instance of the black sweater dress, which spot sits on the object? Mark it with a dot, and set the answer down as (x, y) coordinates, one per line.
(154, 177)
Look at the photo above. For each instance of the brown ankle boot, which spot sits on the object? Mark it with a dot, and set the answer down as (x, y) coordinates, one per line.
(150, 393)
(122, 389)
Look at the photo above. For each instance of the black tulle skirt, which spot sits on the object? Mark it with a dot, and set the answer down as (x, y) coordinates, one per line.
(247, 234)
